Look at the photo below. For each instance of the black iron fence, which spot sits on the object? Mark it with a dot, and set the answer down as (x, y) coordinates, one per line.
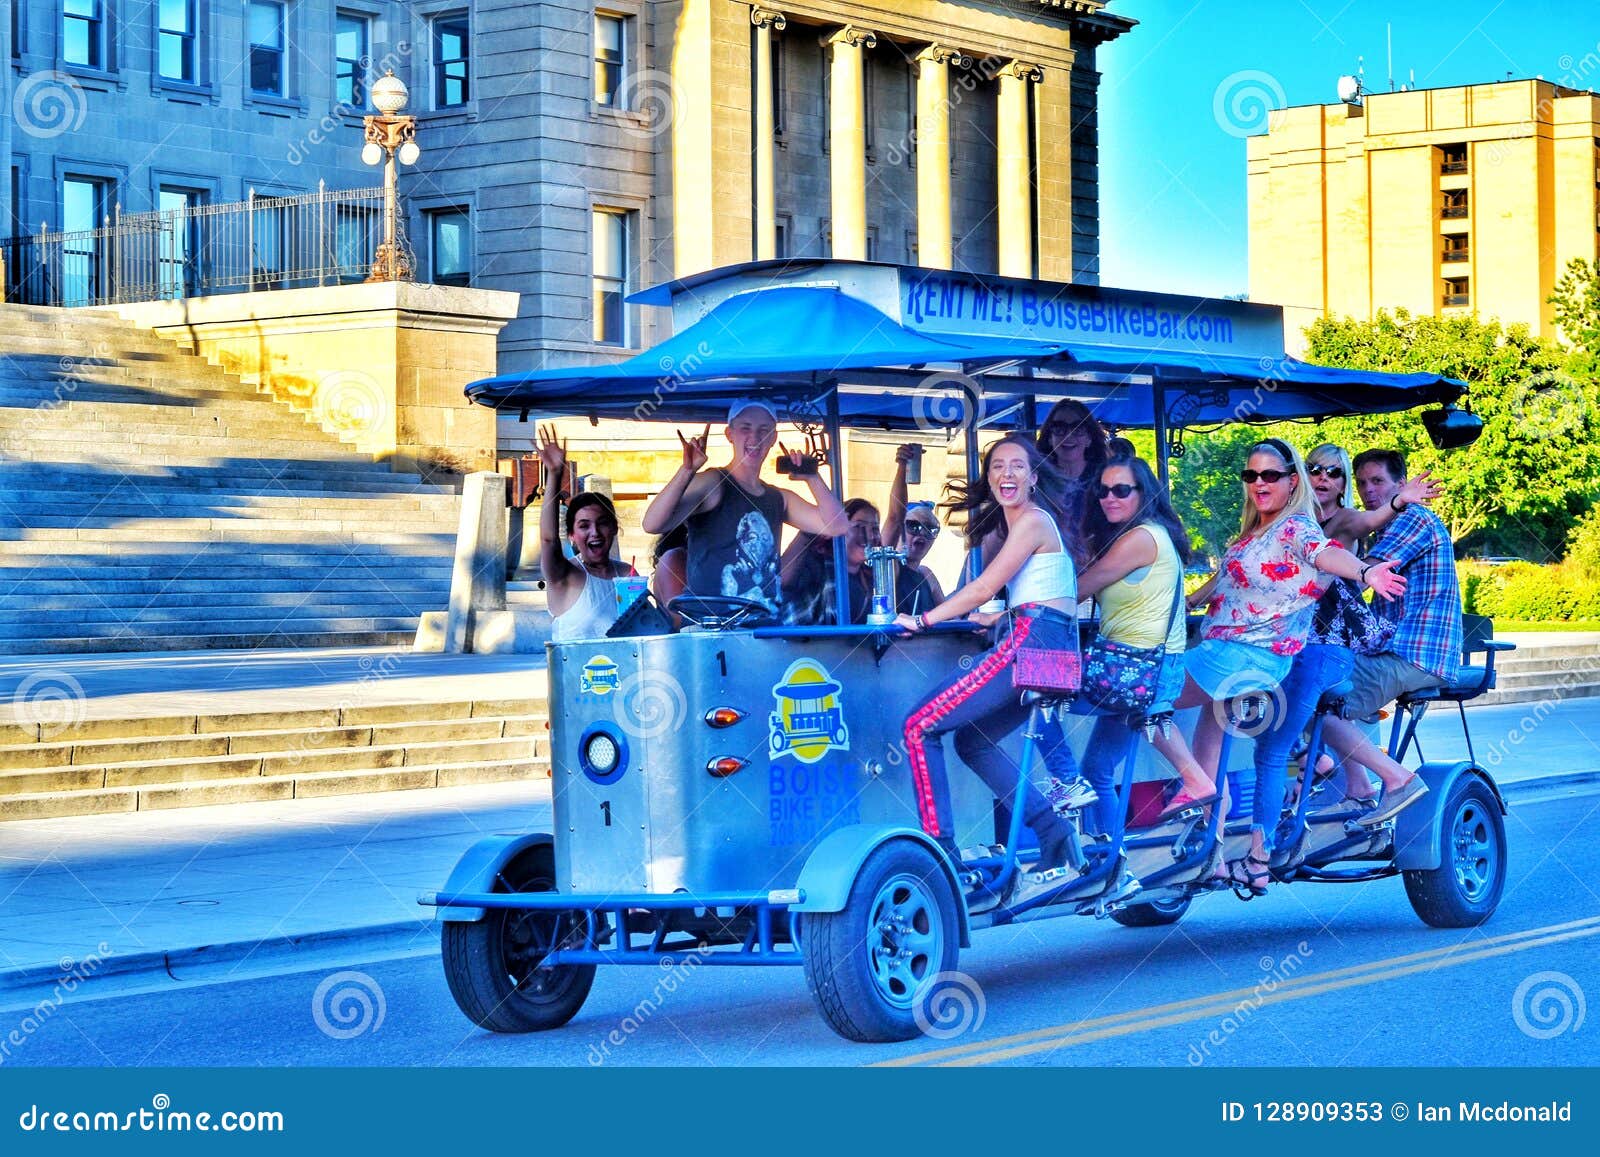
(322, 238)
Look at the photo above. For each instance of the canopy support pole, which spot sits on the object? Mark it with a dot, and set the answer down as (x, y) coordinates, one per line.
(972, 408)
(841, 563)
(1159, 396)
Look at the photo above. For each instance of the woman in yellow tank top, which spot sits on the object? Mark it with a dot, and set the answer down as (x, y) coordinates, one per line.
(1139, 548)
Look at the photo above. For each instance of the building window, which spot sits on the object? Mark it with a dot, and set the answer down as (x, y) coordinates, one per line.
(267, 44)
(179, 254)
(610, 275)
(779, 82)
(351, 44)
(449, 247)
(175, 50)
(85, 207)
(1452, 159)
(1455, 204)
(1457, 291)
(83, 33)
(1456, 247)
(451, 69)
(780, 247)
(610, 59)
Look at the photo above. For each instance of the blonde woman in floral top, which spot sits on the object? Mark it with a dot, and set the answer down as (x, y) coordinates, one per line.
(1259, 607)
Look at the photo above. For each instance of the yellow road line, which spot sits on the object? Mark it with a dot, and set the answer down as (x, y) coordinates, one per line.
(1205, 1005)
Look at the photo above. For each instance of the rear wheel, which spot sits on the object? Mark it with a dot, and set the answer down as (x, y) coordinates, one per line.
(1465, 888)
(1153, 914)
(870, 966)
(494, 966)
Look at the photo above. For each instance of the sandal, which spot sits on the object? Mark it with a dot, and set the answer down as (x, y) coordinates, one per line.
(1243, 882)
(1182, 802)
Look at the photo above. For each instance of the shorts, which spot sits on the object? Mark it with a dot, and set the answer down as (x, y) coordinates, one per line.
(1380, 679)
(1224, 669)
(1169, 681)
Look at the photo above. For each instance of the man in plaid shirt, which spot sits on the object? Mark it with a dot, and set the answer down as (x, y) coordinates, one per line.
(1426, 649)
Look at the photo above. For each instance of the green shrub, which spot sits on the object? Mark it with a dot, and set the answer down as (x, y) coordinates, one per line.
(1528, 592)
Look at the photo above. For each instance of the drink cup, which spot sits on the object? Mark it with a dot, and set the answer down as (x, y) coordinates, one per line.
(629, 588)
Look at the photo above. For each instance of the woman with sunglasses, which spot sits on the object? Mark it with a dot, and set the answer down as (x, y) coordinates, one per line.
(1259, 607)
(1139, 548)
(914, 523)
(807, 571)
(1341, 625)
(1014, 497)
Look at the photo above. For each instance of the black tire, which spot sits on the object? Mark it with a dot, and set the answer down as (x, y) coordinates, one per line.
(1464, 890)
(1152, 914)
(863, 988)
(492, 965)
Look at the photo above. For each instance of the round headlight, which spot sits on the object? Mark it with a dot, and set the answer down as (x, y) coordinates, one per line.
(601, 754)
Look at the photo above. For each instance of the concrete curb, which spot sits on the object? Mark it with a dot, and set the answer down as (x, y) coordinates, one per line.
(29, 987)
(96, 978)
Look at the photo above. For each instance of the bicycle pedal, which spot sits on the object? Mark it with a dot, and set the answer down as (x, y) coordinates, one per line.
(1051, 875)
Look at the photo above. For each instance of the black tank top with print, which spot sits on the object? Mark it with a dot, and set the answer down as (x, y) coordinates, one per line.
(733, 547)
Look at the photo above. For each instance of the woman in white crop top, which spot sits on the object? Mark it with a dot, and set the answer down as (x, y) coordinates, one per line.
(581, 594)
(1018, 495)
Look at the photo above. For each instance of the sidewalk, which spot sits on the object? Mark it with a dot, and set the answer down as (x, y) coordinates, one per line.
(147, 899)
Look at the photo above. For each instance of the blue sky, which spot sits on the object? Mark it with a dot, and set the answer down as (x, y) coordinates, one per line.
(1172, 174)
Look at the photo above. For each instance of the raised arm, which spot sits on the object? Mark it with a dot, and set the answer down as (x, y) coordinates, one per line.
(825, 515)
(1124, 556)
(683, 492)
(894, 522)
(1349, 524)
(558, 571)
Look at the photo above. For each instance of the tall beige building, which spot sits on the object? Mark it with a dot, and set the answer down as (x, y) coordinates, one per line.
(1439, 201)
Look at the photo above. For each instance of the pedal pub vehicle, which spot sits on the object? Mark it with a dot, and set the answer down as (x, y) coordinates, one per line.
(738, 791)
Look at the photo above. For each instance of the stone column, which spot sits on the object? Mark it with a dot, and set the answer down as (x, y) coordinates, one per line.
(1016, 168)
(765, 21)
(847, 141)
(934, 248)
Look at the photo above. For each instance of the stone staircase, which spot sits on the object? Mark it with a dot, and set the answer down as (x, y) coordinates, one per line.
(152, 501)
(120, 765)
(1547, 671)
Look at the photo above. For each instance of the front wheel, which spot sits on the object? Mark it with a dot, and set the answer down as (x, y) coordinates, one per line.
(1464, 890)
(870, 966)
(1153, 914)
(495, 968)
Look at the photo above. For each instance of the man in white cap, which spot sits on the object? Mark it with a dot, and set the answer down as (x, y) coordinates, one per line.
(734, 519)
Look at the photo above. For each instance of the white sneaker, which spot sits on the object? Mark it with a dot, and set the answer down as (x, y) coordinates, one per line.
(1074, 794)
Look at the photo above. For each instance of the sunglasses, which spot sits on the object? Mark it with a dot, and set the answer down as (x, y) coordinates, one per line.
(1121, 490)
(1267, 476)
(921, 530)
(1334, 472)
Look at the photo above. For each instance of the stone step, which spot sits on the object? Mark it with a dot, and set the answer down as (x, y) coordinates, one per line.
(228, 531)
(287, 571)
(298, 720)
(336, 522)
(145, 444)
(1587, 665)
(68, 594)
(1501, 695)
(93, 616)
(134, 502)
(261, 621)
(106, 801)
(169, 493)
(1518, 680)
(242, 418)
(92, 343)
(225, 755)
(284, 473)
(301, 638)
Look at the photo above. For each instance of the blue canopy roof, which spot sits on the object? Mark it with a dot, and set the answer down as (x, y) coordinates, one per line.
(794, 344)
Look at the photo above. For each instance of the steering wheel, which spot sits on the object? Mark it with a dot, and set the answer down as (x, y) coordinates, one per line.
(720, 612)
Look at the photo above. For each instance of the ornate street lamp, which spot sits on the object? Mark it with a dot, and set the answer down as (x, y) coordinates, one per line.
(388, 134)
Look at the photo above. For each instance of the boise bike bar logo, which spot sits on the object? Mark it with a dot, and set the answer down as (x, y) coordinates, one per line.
(599, 677)
(808, 719)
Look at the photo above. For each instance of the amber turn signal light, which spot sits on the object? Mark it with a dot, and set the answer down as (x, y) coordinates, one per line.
(725, 766)
(723, 716)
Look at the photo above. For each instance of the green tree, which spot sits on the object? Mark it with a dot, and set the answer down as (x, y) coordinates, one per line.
(1577, 304)
(1535, 468)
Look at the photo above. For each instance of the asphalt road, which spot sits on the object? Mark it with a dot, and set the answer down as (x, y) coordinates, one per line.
(1331, 975)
